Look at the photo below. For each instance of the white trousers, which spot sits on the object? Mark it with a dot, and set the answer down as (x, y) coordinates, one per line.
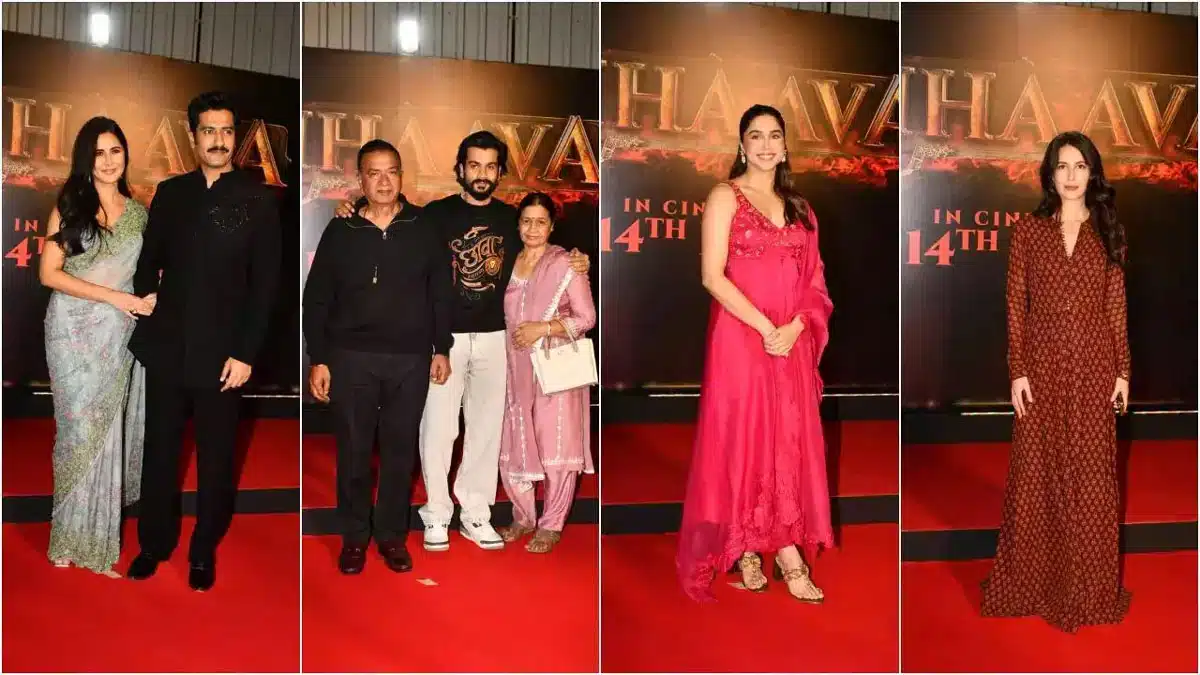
(479, 372)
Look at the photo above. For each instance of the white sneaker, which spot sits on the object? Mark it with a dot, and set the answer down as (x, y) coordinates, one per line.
(482, 533)
(437, 537)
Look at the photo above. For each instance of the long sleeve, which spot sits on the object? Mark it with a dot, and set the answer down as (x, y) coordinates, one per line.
(441, 289)
(154, 245)
(263, 280)
(320, 292)
(1017, 300)
(580, 316)
(1116, 308)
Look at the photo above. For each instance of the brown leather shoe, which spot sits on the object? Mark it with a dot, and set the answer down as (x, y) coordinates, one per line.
(395, 556)
(353, 559)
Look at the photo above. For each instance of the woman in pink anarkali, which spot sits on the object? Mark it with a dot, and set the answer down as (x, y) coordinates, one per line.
(757, 484)
(545, 438)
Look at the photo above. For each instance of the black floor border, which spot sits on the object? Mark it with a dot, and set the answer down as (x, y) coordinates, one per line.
(317, 418)
(620, 407)
(37, 508)
(975, 544)
(323, 520)
(945, 426)
(664, 517)
(24, 403)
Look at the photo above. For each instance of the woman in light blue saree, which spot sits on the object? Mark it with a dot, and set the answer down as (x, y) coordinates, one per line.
(93, 240)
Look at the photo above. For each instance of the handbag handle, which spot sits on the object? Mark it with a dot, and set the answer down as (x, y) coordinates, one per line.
(552, 311)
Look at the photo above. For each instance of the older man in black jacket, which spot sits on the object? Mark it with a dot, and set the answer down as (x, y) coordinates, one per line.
(377, 311)
(213, 234)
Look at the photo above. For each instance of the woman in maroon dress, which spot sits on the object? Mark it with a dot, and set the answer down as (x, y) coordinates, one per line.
(757, 482)
(1068, 357)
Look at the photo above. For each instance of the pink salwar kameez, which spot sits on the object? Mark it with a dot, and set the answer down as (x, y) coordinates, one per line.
(545, 438)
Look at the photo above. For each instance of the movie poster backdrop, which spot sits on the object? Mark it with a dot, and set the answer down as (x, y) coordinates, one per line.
(676, 79)
(425, 107)
(51, 88)
(984, 89)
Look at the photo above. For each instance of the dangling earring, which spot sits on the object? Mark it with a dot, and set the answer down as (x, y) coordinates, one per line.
(785, 154)
(741, 155)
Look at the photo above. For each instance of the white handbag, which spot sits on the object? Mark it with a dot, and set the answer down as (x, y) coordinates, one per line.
(567, 366)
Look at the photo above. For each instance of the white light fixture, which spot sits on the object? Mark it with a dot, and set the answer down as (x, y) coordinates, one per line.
(98, 28)
(410, 35)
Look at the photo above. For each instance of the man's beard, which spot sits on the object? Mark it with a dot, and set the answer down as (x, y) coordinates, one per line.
(475, 192)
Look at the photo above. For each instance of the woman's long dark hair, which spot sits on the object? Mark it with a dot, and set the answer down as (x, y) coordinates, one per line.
(78, 201)
(1100, 197)
(795, 207)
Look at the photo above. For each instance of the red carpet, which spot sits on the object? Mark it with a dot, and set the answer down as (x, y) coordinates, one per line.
(649, 625)
(320, 475)
(271, 461)
(72, 620)
(486, 611)
(943, 631)
(648, 463)
(961, 485)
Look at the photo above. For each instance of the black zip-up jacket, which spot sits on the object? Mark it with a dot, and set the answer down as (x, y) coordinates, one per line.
(379, 291)
(482, 244)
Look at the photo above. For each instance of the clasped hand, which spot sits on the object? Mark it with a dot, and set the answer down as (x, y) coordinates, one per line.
(528, 333)
(132, 305)
(779, 342)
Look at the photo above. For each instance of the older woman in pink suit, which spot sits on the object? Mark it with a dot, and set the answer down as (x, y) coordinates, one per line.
(545, 438)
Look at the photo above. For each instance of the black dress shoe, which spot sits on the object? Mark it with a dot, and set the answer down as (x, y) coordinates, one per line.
(143, 567)
(353, 559)
(396, 556)
(202, 576)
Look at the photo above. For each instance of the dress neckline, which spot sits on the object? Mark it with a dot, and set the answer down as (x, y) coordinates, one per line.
(1084, 225)
(112, 228)
(759, 211)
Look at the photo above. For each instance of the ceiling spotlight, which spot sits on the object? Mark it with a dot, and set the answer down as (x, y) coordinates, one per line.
(410, 35)
(98, 28)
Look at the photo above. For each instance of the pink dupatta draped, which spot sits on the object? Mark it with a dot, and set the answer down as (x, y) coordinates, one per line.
(545, 432)
(757, 480)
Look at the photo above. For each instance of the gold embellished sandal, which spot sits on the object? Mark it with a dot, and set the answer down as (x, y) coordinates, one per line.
(514, 532)
(750, 567)
(543, 541)
(813, 595)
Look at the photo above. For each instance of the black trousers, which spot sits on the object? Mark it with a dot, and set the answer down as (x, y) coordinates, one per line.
(369, 392)
(215, 416)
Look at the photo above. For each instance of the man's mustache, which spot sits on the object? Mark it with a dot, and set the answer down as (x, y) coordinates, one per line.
(218, 149)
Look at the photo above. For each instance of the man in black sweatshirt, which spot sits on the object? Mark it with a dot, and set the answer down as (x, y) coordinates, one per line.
(483, 239)
(377, 312)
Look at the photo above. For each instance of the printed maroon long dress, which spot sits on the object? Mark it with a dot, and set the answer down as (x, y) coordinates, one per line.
(1057, 555)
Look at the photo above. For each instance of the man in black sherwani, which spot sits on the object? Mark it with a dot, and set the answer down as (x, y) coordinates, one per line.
(214, 235)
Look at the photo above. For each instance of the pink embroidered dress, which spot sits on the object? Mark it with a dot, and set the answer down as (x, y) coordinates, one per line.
(545, 437)
(757, 480)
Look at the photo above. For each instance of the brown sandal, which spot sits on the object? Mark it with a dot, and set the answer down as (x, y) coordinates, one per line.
(813, 594)
(543, 541)
(514, 532)
(750, 567)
